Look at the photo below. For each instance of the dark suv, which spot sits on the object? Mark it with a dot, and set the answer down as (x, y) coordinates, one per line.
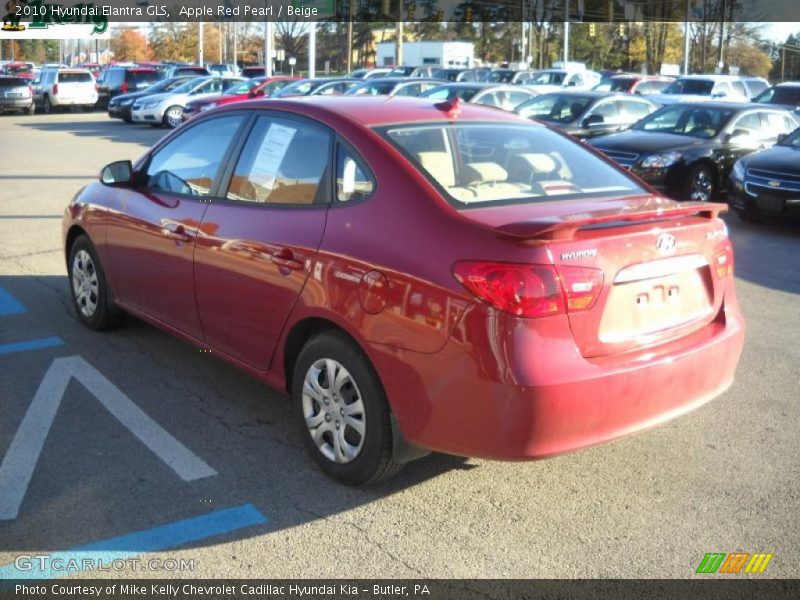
(122, 80)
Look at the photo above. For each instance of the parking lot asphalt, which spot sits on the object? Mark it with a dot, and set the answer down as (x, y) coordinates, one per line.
(725, 478)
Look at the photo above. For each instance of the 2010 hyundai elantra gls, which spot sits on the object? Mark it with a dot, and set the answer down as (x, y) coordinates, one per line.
(417, 276)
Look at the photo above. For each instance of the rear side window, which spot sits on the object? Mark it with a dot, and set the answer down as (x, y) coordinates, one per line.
(75, 77)
(353, 181)
(756, 86)
(738, 87)
(283, 162)
(479, 164)
(190, 163)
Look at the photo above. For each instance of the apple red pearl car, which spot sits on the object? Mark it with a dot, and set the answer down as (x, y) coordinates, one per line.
(258, 87)
(417, 276)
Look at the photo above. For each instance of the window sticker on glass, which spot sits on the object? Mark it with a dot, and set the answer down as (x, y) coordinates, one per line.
(270, 155)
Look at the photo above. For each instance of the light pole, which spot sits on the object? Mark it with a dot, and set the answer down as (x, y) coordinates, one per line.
(200, 61)
(268, 49)
(312, 50)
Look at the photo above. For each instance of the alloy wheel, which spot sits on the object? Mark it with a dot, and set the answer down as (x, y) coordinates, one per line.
(85, 284)
(334, 411)
(702, 186)
(174, 116)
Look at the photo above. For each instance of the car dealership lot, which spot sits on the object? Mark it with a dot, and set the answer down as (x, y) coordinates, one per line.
(721, 479)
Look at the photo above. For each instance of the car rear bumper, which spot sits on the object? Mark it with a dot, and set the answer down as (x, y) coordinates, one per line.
(15, 103)
(531, 396)
(77, 101)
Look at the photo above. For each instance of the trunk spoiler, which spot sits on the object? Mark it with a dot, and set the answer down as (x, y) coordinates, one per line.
(565, 227)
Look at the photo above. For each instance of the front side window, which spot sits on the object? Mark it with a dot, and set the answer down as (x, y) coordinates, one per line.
(636, 110)
(190, 163)
(283, 162)
(476, 164)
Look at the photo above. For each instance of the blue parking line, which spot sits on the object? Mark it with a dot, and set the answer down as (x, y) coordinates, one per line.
(10, 305)
(30, 345)
(130, 545)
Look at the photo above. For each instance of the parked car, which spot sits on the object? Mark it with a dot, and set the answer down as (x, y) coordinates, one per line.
(515, 326)
(766, 184)
(94, 68)
(427, 72)
(16, 94)
(166, 109)
(120, 107)
(551, 80)
(687, 150)
(180, 70)
(627, 83)
(223, 69)
(507, 97)
(393, 86)
(123, 80)
(474, 74)
(786, 94)
(258, 87)
(586, 114)
(691, 88)
(64, 88)
(317, 87)
(368, 73)
(250, 72)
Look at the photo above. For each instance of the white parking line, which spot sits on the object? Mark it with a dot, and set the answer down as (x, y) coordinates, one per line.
(23, 454)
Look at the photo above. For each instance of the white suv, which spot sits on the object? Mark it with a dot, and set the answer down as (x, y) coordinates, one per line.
(59, 88)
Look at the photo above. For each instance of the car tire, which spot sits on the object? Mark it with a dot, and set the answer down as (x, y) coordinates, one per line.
(47, 107)
(700, 185)
(352, 445)
(88, 108)
(173, 116)
(89, 289)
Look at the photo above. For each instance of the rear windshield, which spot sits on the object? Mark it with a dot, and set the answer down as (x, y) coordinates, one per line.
(14, 69)
(64, 77)
(780, 95)
(13, 81)
(700, 87)
(500, 76)
(480, 164)
(546, 78)
(373, 88)
(144, 76)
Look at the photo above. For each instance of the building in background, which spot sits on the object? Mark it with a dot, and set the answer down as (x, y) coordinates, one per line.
(418, 54)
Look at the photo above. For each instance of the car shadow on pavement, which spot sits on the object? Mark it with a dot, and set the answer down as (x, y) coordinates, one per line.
(766, 253)
(94, 480)
(114, 130)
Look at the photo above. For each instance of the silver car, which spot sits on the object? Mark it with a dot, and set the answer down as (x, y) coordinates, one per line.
(16, 94)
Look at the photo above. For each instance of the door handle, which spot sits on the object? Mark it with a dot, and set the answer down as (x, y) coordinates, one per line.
(286, 261)
(176, 231)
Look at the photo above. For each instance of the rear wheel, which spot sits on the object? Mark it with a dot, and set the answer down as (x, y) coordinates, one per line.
(700, 185)
(47, 107)
(343, 412)
(173, 116)
(89, 289)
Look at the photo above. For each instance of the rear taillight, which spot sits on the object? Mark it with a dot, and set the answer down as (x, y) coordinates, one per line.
(581, 287)
(531, 290)
(55, 89)
(124, 88)
(519, 289)
(30, 90)
(96, 88)
(723, 260)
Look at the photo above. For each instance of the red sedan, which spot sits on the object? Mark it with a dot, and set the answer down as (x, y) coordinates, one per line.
(258, 87)
(416, 276)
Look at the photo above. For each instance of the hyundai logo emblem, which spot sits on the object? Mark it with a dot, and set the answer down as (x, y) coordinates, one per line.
(666, 243)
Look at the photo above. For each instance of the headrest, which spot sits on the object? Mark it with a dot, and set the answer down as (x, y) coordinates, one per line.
(483, 172)
(539, 163)
(439, 165)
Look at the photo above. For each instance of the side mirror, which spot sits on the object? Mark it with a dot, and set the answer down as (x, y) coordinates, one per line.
(739, 136)
(256, 93)
(593, 121)
(117, 173)
(719, 94)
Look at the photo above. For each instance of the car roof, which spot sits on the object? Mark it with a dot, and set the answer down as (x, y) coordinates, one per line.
(371, 111)
(589, 94)
(722, 105)
(788, 84)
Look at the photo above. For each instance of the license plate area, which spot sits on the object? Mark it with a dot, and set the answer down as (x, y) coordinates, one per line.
(640, 308)
(770, 203)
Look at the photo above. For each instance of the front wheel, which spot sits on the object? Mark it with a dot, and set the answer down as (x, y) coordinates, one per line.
(343, 411)
(700, 184)
(88, 286)
(173, 116)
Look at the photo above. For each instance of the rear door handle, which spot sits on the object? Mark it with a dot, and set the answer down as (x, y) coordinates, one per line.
(176, 231)
(286, 261)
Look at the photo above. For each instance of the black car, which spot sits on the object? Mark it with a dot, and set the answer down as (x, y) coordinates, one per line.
(687, 150)
(767, 183)
(587, 114)
(116, 81)
(119, 107)
(785, 94)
